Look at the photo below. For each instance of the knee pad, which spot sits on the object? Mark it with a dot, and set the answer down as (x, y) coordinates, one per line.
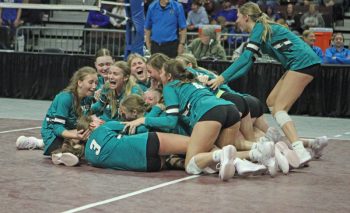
(192, 168)
(282, 118)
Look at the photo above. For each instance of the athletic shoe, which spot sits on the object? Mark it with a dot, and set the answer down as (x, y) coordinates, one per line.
(245, 168)
(264, 153)
(303, 154)
(227, 167)
(318, 145)
(210, 170)
(289, 154)
(281, 161)
(66, 158)
(273, 134)
(24, 142)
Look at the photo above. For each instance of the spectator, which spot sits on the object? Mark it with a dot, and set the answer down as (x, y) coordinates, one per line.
(238, 38)
(186, 5)
(337, 7)
(11, 17)
(228, 11)
(197, 16)
(308, 2)
(120, 11)
(210, 6)
(337, 53)
(224, 30)
(265, 3)
(207, 46)
(292, 19)
(312, 18)
(310, 38)
(270, 11)
(97, 19)
(165, 28)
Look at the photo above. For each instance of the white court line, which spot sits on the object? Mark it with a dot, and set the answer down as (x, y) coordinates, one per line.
(129, 194)
(18, 130)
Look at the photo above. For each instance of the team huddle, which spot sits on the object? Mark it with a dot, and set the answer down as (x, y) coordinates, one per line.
(163, 113)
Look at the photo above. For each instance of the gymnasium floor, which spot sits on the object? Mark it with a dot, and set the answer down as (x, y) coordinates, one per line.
(29, 182)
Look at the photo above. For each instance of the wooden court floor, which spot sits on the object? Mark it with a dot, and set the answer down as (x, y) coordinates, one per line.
(29, 182)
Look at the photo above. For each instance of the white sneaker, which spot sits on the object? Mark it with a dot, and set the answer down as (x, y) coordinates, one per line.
(273, 134)
(245, 168)
(289, 154)
(66, 158)
(281, 161)
(227, 167)
(264, 153)
(303, 154)
(318, 145)
(24, 142)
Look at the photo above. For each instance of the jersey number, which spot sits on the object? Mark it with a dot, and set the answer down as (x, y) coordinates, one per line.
(95, 146)
(198, 86)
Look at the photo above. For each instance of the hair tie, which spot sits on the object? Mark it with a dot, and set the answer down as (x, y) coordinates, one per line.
(260, 14)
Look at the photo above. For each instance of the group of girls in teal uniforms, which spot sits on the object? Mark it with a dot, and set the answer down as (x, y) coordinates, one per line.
(212, 122)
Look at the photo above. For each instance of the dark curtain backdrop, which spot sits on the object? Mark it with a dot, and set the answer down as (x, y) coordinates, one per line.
(42, 76)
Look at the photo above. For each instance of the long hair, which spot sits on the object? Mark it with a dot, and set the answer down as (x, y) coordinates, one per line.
(254, 12)
(188, 58)
(72, 87)
(178, 71)
(134, 102)
(157, 60)
(127, 87)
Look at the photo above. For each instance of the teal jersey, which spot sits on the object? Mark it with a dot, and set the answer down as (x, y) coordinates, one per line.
(185, 99)
(181, 128)
(144, 85)
(217, 92)
(283, 45)
(106, 107)
(107, 149)
(100, 82)
(61, 116)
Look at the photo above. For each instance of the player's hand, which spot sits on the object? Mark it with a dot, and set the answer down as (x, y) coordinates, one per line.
(215, 83)
(83, 135)
(132, 125)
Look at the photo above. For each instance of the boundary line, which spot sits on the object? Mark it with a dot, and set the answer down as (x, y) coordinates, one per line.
(18, 130)
(129, 194)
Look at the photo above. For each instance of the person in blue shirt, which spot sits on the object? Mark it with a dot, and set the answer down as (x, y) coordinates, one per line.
(11, 17)
(137, 64)
(119, 86)
(310, 38)
(61, 118)
(165, 28)
(337, 53)
(295, 56)
(228, 11)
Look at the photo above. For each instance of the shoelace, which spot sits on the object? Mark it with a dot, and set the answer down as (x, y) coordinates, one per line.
(26, 145)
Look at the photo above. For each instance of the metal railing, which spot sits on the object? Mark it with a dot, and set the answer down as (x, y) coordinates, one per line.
(87, 41)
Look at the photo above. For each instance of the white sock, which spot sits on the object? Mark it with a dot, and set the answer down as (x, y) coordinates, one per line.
(298, 145)
(192, 167)
(217, 155)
